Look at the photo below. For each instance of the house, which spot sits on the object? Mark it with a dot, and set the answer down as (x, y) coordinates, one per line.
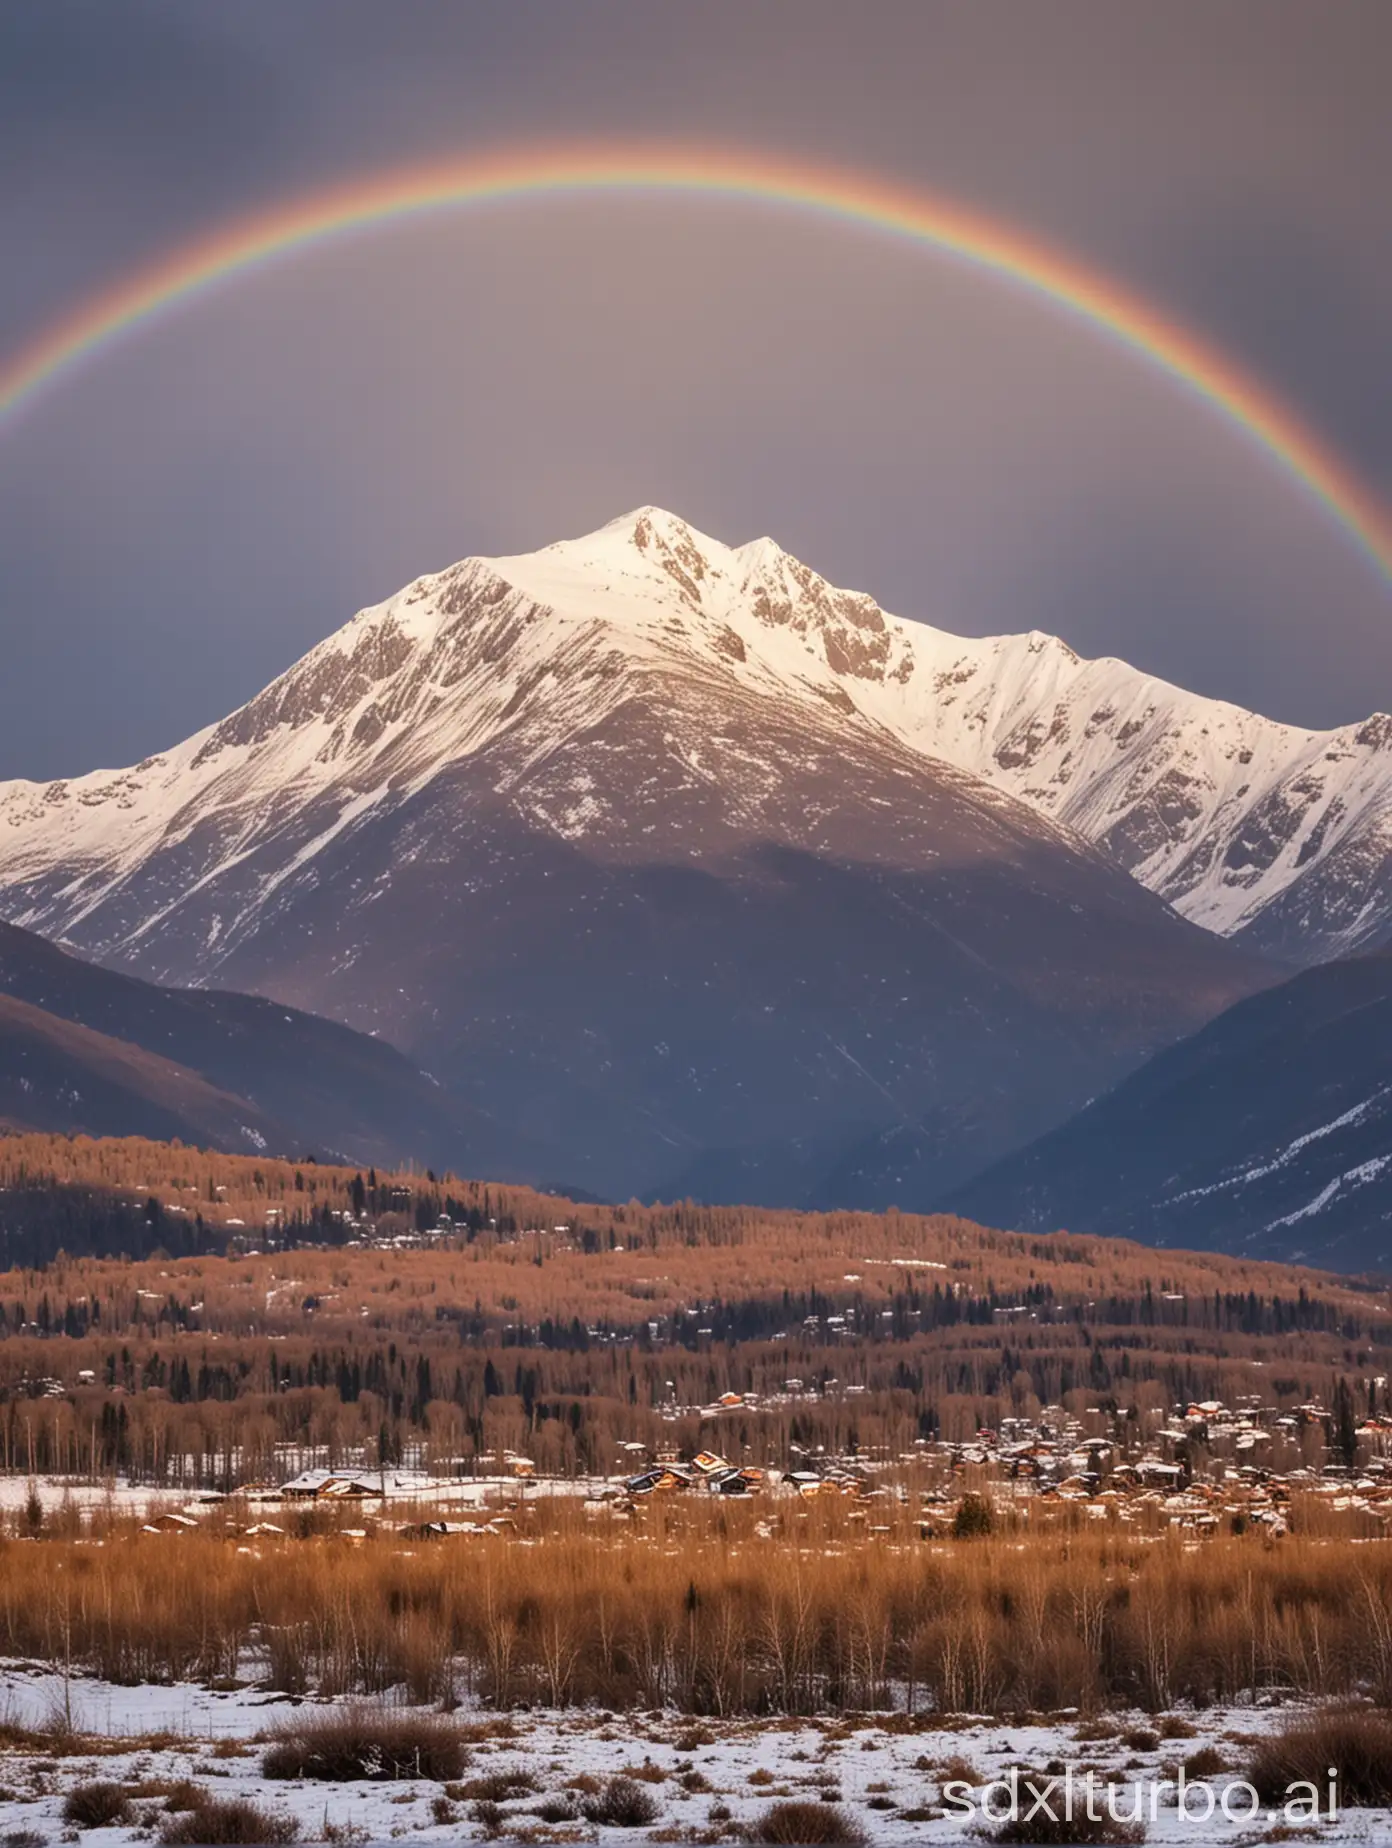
(333, 1485)
(737, 1482)
(170, 1524)
(662, 1477)
(351, 1488)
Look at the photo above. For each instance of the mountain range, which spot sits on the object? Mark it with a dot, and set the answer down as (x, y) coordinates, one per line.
(1267, 1134)
(706, 876)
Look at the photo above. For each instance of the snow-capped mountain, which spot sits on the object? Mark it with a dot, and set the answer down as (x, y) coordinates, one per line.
(669, 852)
(1246, 826)
(1250, 828)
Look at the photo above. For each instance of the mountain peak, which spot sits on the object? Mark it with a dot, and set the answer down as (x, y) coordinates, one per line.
(644, 529)
(1242, 824)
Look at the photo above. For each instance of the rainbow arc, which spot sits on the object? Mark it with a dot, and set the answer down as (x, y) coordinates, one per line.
(968, 237)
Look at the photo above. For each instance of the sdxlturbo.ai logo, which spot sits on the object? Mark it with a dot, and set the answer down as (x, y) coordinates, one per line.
(1034, 1796)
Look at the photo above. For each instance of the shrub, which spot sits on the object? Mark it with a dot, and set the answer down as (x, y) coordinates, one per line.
(182, 1794)
(236, 1822)
(556, 1809)
(344, 1744)
(490, 1817)
(646, 1773)
(1174, 1726)
(1082, 1832)
(973, 1518)
(1141, 1739)
(1091, 1732)
(1356, 1741)
(500, 1786)
(179, 1793)
(808, 1822)
(621, 1804)
(1208, 1761)
(96, 1806)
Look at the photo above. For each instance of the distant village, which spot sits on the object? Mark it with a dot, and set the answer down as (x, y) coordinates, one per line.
(1205, 1467)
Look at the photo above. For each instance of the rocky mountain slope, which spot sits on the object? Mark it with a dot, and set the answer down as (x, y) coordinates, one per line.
(1278, 837)
(86, 1048)
(640, 844)
(1267, 1133)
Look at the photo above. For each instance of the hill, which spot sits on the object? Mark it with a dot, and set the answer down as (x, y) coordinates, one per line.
(87, 1048)
(55, 1075)
(1268, 1132)
(542, 1325)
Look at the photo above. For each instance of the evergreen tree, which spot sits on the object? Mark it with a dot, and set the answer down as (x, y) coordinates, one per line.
(1344, 1434)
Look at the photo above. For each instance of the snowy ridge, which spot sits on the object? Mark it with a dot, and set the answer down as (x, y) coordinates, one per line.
(1244, 825)
(1245, 1178)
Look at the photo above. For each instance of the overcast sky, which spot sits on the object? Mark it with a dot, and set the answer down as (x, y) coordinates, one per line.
(185, 515)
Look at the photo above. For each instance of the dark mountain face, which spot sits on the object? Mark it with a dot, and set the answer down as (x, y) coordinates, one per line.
(264, 1075)
(1269, 1132)
(810, 937)
(67, 1080)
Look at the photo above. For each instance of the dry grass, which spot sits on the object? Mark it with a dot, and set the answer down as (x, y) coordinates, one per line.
(815, 1617)
(237, 1822)
(622, 1803)
(507, 1785)
(1356, 1742)
(1206, 1763)
(356, 1741)
(1082, 1832)
(807, 1823)
(1175, 1726)
(96, 1806)
(556, 1809)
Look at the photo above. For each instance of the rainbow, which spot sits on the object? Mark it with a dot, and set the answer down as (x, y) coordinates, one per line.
(918, 217)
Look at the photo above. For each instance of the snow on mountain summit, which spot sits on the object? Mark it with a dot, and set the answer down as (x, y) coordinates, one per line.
(1246, 826)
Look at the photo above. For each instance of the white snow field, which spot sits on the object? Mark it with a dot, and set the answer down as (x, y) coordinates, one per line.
(709, 1779)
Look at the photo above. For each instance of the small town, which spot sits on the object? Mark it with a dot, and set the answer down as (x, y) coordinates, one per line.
(1204, 1468)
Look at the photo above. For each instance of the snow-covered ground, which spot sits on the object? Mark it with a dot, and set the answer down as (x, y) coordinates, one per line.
(708, 1777)
(407, 1493)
